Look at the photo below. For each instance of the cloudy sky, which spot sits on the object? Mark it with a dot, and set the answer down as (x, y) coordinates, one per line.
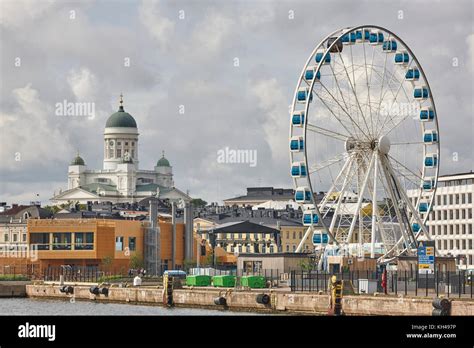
(198, 76)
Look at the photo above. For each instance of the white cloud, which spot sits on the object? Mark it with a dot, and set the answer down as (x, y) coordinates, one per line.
(83, 84)
(210, 34)
(31, 133)
(274, 104)
(159, 26)
(470, 52)
(14, 14)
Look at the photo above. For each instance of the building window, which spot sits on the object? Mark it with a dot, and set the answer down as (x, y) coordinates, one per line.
(301, 235)
(15, 237)
(132, 243)
(23, 237)
(84, 240)
(62, 241)
(294, 235)
(119, 153)
(271, 249)
(294, 247)
(119, 243)
(41, 240)
(126, 143)
(287, 247)
(287, 235)
(5, 237)
(469, 198)
(111, 153)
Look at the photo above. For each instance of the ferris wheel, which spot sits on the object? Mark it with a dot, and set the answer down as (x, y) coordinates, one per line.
(364, 144)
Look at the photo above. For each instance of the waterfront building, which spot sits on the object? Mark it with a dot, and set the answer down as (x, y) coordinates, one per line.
(120, 179)
(451, 221)
(259, 195)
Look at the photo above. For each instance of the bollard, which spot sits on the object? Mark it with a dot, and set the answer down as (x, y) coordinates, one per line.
(220, 301)
(104, 291)
(442, 307)
(94, 290)
(263, 299)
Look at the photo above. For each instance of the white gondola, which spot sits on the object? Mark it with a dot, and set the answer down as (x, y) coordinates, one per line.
(320, 56)
(430, 137)
(311, 72)
(320, 238)
(431, 160)
(389, 46)
(427, 114)
(424, 206)
(310, 218)
(297, 119)
(421, 92)
(402, 58)
(298, 170)
(302, 95)
(415, 227)
(362, 35)
(303, 195)
(349, 38)
(297, 144)
(428, 184)
(412, 74)
(376, 38)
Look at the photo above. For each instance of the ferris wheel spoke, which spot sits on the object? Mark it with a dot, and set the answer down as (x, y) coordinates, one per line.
(355, 95)
(360, 198)
(327, 163)
(368, 87)
(344, 110)
(415, 214)
(400, 86)
(332, 112)
(326, 132)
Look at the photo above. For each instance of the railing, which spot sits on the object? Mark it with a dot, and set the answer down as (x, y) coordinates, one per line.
(450, 283)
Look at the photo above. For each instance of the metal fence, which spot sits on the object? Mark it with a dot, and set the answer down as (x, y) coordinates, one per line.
(450, 284)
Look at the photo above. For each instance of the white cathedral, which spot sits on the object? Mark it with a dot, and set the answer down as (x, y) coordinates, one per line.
(120, 180)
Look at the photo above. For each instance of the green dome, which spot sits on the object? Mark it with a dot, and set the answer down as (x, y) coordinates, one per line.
(163, 162)
(78, 161)
(121, 119)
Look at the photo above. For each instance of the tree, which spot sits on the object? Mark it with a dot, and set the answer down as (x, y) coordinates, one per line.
(198, 202)
(107, 262)
(136, 261)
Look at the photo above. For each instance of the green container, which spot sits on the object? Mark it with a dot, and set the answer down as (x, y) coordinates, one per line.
(198, 280)
(254, 282)
(226, 281)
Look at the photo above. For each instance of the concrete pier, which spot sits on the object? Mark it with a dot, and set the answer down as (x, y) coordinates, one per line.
(281, 301)
(13, 288)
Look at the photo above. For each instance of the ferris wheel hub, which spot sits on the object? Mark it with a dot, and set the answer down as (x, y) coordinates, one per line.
(384, 144)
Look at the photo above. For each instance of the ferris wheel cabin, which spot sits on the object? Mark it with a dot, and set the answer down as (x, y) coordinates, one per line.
(376, 38)
(428, 184)
(310, 218)
(320, 56)
(431, 160)
(303, 195)
(421, 92)
(302, 95)
(389, 46)
(311, 72)
(298, 170)
(427, 114)
(297, 144)
(320, 238)
(402, 58)
(430, 137)
(348, 39)
(412, 74)
(298, 118)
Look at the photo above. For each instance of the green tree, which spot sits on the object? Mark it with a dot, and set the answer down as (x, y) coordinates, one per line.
(136, 261)
(107, 262)
(198, 202)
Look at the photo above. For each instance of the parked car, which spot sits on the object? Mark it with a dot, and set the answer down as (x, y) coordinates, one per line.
(179, 274)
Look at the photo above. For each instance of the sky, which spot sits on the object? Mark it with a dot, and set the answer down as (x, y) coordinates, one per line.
(198, 77)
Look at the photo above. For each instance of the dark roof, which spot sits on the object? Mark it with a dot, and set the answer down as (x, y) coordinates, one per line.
(121, 119)
(15, 210)
(265, 193)
(244, 227)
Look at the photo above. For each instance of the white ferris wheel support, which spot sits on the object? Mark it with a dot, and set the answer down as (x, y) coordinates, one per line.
(347, 89)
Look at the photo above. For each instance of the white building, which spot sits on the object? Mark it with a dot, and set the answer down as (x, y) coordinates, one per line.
(451, 222)
(120, 180)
